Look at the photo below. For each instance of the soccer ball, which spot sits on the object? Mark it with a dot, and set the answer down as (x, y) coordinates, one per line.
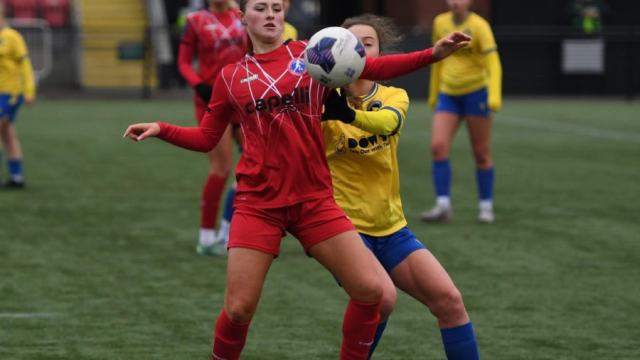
(334, 57)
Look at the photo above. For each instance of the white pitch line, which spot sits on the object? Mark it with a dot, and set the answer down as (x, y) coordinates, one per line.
(569, 129)
(29, 315)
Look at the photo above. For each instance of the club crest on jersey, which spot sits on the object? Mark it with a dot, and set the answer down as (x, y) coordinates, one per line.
(297, 67)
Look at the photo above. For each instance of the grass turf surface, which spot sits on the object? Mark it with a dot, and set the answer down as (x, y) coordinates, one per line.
(101, 244)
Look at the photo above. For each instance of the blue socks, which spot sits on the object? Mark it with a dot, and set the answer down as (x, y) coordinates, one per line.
(460, 343)
(485, 184)
(15, 169)
(228, 205)
(376, 339)
(442, 177)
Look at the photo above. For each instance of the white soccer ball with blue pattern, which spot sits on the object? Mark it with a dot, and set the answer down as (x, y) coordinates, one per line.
(334, 57)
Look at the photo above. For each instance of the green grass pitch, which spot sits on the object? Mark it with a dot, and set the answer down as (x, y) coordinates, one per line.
(97, 257)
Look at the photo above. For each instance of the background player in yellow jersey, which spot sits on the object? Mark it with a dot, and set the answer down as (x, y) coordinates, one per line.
(16, 85)
(290, 32)
(467, 85)
(361, 150)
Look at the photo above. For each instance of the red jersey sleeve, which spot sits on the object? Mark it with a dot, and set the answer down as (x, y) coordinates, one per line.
(395, 66)
(188, 45)
(205, 137)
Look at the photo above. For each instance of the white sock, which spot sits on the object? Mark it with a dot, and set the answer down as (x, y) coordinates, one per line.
(207, 237)
(444, 201)
(223, 231)
(486, 204)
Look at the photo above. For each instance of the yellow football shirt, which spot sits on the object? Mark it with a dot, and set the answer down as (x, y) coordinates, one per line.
(364, 167)
(290, 32)
(14, 79)
(466, 70)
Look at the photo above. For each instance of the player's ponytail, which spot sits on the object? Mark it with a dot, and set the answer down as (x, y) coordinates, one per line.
(355, 102)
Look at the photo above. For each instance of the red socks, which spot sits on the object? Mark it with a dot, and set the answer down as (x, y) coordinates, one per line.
(211, 195)
(358, 329)
(229, 338)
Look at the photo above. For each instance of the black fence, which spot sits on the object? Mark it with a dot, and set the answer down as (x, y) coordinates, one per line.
(533, 59)
(533, 63)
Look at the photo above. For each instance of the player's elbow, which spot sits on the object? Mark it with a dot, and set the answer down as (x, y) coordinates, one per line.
(392, 123)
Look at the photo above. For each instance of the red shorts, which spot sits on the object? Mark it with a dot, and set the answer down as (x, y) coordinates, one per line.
(311, 222)
(201, 109)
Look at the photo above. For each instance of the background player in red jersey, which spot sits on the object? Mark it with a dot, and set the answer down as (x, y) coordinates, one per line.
(218, 37)
(284, 183)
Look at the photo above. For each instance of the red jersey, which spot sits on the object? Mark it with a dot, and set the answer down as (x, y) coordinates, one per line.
(280, 111)
(218, 38)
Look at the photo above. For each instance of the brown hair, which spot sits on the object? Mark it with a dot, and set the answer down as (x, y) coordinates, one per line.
(388, 35)
(243, 5)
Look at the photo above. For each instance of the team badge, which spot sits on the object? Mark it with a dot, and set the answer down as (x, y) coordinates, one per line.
(297, 67)
(375, 106)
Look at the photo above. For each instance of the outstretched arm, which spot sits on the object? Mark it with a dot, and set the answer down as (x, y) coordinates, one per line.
(395, 66)
(203, 138)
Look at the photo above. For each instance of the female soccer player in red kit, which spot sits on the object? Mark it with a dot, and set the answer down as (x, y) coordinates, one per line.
(284, 183)
(217, 35)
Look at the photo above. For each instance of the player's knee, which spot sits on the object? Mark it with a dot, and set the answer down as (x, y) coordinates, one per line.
(240, 311)
(448, 306)
(367, 291)
(220, 170)
(440, 150)
(482, 157)
(389, 298)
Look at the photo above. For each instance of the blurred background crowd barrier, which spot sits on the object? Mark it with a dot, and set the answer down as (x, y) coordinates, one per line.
(547, 47)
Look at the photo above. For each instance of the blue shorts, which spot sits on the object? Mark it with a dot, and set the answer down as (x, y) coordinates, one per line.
(8, 108)
(392, 249)
(475, 103)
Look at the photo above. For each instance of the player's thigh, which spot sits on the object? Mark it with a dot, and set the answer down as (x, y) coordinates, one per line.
(246, 272)
(254, 241)
(221, 157)
(349, 260)
(421, 276)
(480, 136)
(480, 131)
(7, 130)
(443, 129)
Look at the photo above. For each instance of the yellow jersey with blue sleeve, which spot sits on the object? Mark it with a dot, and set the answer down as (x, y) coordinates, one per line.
(290, 32)
(364, 165)
(469, 69)
(16, 72)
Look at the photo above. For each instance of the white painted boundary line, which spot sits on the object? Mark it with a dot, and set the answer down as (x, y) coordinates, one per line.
(568, 129)
(29, 315)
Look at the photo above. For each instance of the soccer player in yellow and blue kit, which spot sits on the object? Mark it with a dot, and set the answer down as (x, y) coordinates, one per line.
(290, 32)
(467, 85)
(361, 150)
(16, 85)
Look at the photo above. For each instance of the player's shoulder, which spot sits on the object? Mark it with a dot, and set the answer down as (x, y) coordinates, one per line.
(11, 33)
(391, 91)
(196, 15)
(477, 20)
(443, 18)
